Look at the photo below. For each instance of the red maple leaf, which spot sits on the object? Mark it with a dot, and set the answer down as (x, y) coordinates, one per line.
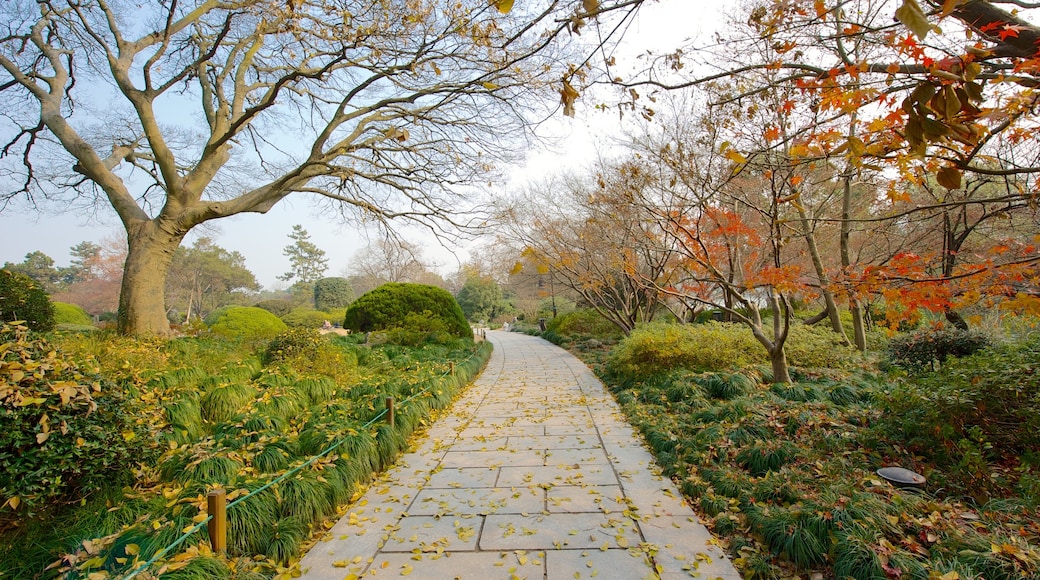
(1010, 31)
(991, 26)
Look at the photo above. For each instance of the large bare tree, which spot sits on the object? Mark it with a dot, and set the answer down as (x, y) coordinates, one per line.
(180, 112)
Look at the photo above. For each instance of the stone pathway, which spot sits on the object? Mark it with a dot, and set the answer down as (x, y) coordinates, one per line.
(534, 473)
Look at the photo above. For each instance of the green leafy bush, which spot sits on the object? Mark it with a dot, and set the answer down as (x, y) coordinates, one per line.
(703, 347)
(817, 347)
(308, 351)
(986, 405)
(278, 307)
(332, 293)
(244, 322)
(420, 327)
(388, 306)
(22, 298)
(585, 322)
(66, 433)
(926, 350)
(65, 313)
(305, 318)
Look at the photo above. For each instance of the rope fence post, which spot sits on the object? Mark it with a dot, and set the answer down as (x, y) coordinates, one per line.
(390, 419)
(216, 505)
(453, 368)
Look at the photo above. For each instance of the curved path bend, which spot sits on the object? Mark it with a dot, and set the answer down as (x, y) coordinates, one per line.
(533, 473)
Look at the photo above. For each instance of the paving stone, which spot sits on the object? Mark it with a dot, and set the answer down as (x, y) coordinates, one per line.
(441, 502)
(587, 498)
(499, 429)
(588, 456)
(458, 565)
(550, 475)
(480, 444)
(585, 441)
(463, 477)
(432, 534)
(604, 565)
(686, 547)
(558, 531)
(492, 459)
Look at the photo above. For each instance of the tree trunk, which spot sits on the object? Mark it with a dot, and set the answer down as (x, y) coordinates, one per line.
(778, 358)
(956, 319)
(821, 274)
(858, 328)
(142, 298)
(859, 332)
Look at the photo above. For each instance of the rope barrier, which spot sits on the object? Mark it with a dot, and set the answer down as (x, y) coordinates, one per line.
(166, 550)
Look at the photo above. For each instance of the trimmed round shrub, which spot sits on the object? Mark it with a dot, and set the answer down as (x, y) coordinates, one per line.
(418, 328)
(277, 307)
(244, 322)
(22, 298)
(65, 313)
(305, 318)
(389, 305)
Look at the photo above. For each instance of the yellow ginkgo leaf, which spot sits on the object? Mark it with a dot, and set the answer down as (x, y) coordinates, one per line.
(504, 6)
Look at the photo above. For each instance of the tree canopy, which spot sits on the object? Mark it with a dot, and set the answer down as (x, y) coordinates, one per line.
(381, 110)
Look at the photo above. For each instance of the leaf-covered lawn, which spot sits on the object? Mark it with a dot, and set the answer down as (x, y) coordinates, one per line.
(786, 475)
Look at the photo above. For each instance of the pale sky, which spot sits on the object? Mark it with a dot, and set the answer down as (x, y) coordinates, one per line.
(661, 26)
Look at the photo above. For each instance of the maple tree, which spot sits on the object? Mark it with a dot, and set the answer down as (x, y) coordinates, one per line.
(873, 92)
(592, 239)
(382, 109)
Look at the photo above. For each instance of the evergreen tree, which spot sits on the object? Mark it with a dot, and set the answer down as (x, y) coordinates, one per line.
(307, 262)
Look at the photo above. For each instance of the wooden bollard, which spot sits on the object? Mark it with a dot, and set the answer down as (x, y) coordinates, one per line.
(453, 368)
(216, 505)
(390, 419)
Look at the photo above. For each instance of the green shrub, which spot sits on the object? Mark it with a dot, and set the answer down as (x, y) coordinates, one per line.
(65, 313)
(817, 347)
(988, 402)
(308, 351)
(22, 298)
(279, 307)
(244, 322)
(388, 306)
(66, 433)
(305, 318)
(703, 347)
(419, 328)
(926, 350)
(584, 322)
(330, 293)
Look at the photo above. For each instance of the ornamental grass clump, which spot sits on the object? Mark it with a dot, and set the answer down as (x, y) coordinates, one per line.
(240, 426)
(786, 473)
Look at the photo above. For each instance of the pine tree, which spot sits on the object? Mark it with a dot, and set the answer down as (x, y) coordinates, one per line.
(307, 261)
